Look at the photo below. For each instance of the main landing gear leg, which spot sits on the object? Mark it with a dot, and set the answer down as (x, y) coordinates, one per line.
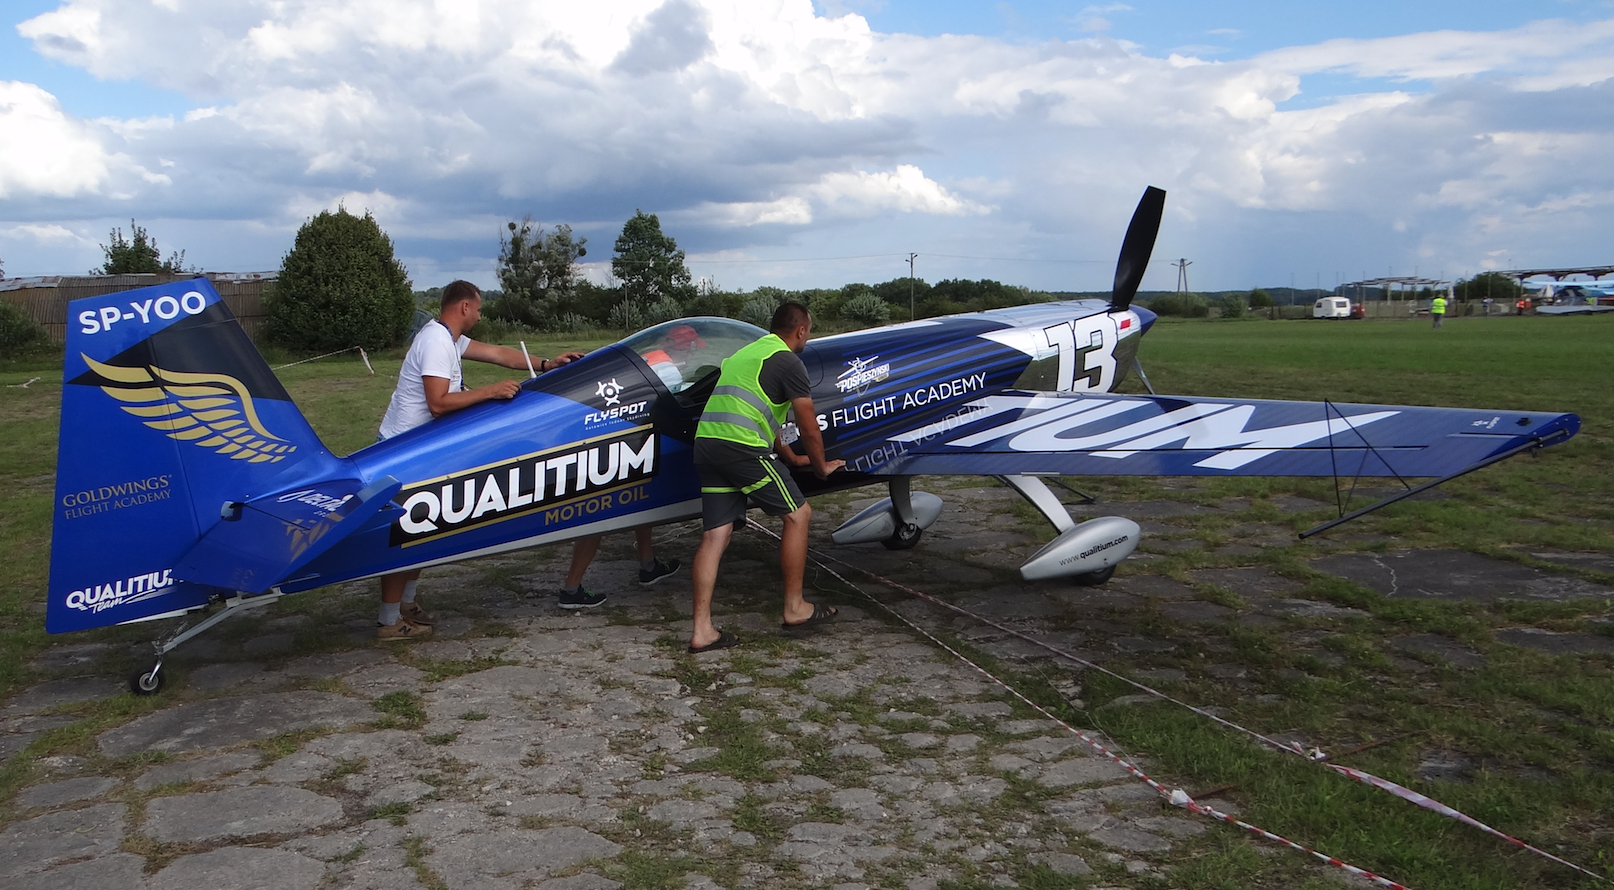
(907, 533)
(150, 682)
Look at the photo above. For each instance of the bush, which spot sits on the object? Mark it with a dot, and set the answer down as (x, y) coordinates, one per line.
(1260, 299)
(867, 310)
(1232, 305)
(572, 323)
(625, 317)
(664, 309)
(1184, 305)
(19, 334)
(340, 286)
(759, 310)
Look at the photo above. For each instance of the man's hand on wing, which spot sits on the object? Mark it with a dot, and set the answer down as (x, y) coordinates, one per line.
(828, 468)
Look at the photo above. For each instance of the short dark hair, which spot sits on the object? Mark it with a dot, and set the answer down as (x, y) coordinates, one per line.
(788, 317)
(459, 290)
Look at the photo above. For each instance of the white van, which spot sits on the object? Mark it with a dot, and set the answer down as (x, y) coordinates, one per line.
(1332, 307)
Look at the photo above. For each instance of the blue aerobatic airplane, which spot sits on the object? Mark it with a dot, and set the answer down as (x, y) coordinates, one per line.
(187, 479)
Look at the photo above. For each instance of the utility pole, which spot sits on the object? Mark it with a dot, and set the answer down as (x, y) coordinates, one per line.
(1182, 274)
(911, 258)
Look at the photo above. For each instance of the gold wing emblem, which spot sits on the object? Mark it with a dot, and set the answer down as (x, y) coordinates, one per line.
(212, 410)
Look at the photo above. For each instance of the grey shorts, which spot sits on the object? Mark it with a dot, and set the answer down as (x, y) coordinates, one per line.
(734, 483)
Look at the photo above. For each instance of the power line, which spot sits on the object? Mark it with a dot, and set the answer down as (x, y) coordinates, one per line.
(899, 256)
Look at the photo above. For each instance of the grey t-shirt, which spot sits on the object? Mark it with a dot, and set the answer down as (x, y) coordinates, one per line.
(783, 378)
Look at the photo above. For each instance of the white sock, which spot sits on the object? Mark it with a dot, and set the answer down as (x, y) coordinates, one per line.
(409, 592)
(390, 614)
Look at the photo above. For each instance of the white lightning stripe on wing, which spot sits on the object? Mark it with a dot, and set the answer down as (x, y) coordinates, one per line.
(1046, 437)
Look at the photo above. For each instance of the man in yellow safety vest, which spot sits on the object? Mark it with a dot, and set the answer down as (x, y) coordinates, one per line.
(742, 460)
(1437, 309)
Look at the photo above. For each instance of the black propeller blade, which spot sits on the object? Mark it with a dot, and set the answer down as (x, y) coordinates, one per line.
(1137, 247)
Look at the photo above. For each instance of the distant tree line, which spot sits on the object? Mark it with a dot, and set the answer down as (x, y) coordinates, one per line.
(541, 287)
(341, 285)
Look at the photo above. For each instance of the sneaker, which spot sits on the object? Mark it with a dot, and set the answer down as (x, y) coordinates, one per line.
(582, 599)
(403, 630)
(415, 614)
(648, 577)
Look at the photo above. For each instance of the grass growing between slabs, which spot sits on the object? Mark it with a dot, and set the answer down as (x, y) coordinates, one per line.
(1535, 729)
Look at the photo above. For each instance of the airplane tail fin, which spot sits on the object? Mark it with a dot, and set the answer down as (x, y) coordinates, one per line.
(169, 414)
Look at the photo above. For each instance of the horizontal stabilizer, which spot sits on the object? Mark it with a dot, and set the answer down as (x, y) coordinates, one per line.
(265, 540)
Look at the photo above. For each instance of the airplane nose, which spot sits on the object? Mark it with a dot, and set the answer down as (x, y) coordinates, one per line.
(1145, 318)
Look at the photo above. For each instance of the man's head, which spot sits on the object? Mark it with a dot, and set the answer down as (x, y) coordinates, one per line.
(461, 307)
(792, 324)
(682, 339)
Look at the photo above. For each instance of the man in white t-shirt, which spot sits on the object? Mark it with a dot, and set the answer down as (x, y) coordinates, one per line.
(430, 384)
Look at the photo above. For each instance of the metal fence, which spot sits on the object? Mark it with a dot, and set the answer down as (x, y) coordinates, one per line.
(45, 298)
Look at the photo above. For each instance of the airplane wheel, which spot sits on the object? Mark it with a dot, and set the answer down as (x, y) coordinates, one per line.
(904, 538)
(147, 682)
(1093, 579)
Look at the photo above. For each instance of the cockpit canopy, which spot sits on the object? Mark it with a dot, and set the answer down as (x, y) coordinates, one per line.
(685, 352)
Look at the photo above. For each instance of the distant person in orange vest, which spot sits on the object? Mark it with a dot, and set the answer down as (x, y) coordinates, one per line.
(1437, 310)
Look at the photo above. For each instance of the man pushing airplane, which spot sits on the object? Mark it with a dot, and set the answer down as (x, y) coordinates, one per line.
(737, 454)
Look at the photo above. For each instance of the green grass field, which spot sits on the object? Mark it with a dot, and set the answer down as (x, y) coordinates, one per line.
(1542, 727)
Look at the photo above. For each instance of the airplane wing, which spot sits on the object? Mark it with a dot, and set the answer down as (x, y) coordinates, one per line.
(1026, 433)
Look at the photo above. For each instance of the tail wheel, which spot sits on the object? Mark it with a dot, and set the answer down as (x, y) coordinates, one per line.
(904, 538)
(1093, 579)
(147, 682)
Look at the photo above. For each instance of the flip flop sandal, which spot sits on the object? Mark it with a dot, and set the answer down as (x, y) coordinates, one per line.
(724, 640)
(822, 614)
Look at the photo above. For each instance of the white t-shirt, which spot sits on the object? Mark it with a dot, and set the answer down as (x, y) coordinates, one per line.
(434, 353)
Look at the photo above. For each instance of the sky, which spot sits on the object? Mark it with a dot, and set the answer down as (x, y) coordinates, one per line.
(811, 143)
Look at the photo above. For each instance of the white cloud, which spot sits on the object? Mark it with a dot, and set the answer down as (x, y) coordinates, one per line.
(49, 234)
(759, 119)
(905, 190)
(42, 151)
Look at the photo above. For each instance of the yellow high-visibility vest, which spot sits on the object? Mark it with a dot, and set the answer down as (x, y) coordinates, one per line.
(739, 411)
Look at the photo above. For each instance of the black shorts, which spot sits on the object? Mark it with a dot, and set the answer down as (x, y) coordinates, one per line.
(732, 481)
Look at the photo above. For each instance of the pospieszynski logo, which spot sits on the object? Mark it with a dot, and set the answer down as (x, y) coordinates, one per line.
(111, 594)
(610, 391)
(523, 485)
(860, 372)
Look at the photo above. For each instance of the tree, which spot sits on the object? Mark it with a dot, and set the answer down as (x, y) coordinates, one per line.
(340, 286)
(19, 334)
(1499, 287)
(1260, 299)
(137, 254)
(649, 264)
(538, 274)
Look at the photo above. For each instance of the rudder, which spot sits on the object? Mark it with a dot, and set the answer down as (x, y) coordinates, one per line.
(168, 411)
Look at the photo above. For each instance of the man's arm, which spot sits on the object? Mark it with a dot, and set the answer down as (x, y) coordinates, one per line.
(514, 359)
(440, 401)
(811, 440)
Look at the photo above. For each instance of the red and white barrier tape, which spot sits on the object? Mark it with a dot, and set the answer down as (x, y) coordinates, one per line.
(1314, 755)
(1175, 796)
